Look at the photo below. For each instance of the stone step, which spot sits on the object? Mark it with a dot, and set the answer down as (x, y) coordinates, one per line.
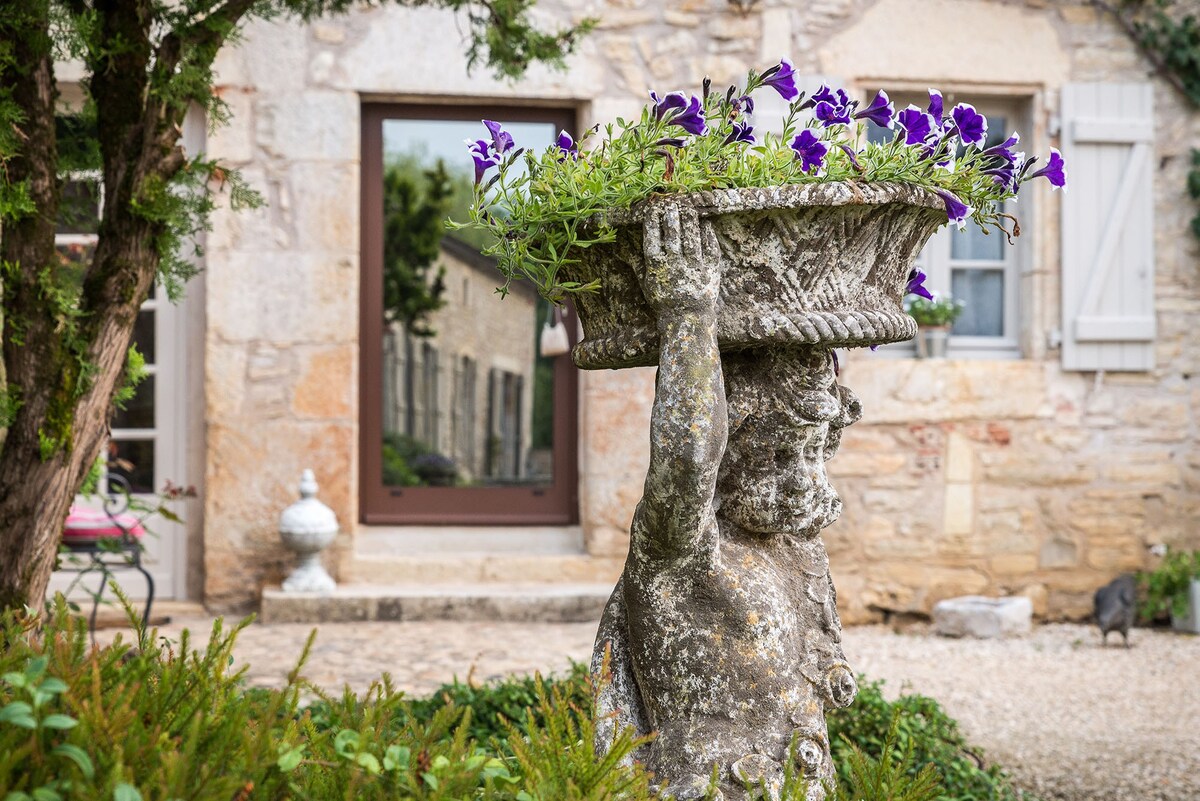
(468, 568)
(518, 603)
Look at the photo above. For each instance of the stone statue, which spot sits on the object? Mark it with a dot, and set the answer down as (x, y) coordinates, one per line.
(723, 631)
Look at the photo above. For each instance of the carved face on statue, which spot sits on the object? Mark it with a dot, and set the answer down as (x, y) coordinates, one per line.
(786, 414)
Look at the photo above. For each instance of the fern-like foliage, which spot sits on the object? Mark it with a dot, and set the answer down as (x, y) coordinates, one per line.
(890, 776)
(558, 760)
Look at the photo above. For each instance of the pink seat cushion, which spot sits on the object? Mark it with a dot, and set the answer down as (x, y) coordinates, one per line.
(84, 525)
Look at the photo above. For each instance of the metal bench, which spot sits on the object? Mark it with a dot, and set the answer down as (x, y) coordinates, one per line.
(105, 541)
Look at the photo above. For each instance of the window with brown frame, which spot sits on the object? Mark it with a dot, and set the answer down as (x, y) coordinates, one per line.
(462, 419)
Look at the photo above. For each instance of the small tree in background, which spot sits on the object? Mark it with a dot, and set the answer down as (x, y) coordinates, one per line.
(65, 337)
(414, 223)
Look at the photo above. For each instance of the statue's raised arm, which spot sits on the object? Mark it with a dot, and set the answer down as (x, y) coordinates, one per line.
(688, 425)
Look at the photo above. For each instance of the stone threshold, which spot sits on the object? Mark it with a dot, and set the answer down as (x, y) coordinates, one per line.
(500, 602)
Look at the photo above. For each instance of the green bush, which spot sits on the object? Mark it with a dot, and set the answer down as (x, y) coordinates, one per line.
(925, 728)
(160, 720)
(1165, 589)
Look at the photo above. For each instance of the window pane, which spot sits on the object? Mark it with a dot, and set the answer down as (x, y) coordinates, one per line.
(972, 244)
(982, 294)
(133, 460)
(143, 334)
(467, 400)
(139, 410)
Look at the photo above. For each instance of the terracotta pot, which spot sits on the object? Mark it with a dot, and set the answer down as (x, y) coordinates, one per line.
(817, 264)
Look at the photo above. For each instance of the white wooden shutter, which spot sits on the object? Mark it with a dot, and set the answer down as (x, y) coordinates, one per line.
(1108, 227)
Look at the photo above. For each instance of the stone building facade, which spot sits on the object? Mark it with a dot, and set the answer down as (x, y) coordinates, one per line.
(990, 472)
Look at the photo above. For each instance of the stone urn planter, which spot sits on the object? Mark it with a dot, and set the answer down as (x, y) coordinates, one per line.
(814, 264)
(722, 636)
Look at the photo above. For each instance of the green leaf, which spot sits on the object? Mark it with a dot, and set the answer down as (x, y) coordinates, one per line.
(18, 713)
(46, 794)
(290, 760)
(17, 795)
(16, 680)
(396, 757)
(126, 792)
(440, 762)
(60, 722)
(53, 685)
(369, 762)
(78, 756)
(430, 780)
(346, 742)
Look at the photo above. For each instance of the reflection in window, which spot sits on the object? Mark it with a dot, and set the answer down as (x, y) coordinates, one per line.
(467, 399)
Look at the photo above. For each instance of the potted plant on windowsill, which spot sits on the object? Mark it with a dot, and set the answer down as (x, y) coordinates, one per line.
(934, 315)
(817, 229)
(1174, 588)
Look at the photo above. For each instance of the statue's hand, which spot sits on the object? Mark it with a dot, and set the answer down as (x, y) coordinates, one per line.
(681, 265)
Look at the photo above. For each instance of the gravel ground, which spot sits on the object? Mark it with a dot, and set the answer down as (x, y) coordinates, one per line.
(1070, 720)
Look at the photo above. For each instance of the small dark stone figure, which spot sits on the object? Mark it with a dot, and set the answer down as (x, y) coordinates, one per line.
(1116, 605)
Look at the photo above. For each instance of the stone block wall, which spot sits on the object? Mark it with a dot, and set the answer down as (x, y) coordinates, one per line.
(964, 476)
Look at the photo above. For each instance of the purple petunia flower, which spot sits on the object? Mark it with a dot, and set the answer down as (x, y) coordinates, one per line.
(956, 211)
(916, 124)
(670, 102)
(916, 285)
(970, 124)
(502, 141)
(745, 103)
(1055, 171)
(810, 150)
(825, 95)
(879, 112)
(852, 155)
(484, 160)
(1004, 176)
(691, 119)
(567, 145)
(833, 108)
(782, 78)
(1005, 150)
(936, 107)
(742, 132)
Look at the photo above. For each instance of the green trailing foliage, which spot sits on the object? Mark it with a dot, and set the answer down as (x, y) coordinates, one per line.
(158, 719)
(1164, 590)
(1168, 34)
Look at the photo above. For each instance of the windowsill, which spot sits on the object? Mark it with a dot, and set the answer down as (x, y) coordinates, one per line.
(527, 540)
(994, 350)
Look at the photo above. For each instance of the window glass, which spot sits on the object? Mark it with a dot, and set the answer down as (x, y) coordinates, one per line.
(982, 293)
(467, 400)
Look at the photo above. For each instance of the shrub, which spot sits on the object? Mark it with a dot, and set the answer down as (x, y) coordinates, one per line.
(154, 719)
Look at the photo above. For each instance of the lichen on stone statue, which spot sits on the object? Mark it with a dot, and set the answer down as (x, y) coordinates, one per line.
(722, 636)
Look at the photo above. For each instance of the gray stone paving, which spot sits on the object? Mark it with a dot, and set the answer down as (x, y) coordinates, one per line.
(1073, 721)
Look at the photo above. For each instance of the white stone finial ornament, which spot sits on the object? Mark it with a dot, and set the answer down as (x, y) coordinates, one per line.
(306, 528)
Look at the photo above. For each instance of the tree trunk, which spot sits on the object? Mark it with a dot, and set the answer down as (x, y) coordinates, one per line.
(64, 363)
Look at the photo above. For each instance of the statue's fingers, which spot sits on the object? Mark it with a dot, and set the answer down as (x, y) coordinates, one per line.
(689, 224)
(672, 231)
(652, 234)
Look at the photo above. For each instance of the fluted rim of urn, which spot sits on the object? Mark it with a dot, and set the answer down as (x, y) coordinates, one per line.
(639, 347)
(712, 202)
